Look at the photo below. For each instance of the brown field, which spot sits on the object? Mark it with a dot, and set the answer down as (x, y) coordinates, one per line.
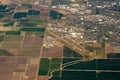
(8, 67)
(29, 53)
(31, 72)
(21, 64)
(53, 52)
(32, 41)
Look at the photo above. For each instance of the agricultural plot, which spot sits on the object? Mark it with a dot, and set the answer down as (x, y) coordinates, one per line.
(9, 66)
(32, 42)
(13, 33)
(53, 52)
(10, 45)
(17, 38)
(31, 22)
(98, 69)
(44, 66)
(8, 38)
(29, 53)
(48, 65)
(31, 72)
(13, 38)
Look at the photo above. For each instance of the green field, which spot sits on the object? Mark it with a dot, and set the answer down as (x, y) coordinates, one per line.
(44, 66)
(55, 61)
(31, 22)
(47, 65)
(13, 33)
(33, 29)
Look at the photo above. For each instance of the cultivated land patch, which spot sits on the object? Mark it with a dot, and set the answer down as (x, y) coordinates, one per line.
(25, 49)
(10, 45)
(34, 53)
(47, 65)
(30, 42)
(12, 65)
(52, 52)
(97, 69)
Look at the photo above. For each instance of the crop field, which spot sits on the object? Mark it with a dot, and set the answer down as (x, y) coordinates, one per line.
(47, 65)
(52, 52)
(21, 52)
(10, 45)
(31, 72)
(29, 53)
(32, 42)
(10, 65)
(31, 22)
(62, 68)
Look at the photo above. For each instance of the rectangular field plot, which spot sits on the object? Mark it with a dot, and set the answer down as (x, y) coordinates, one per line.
(32, 42)
(44, 66)
(17, 38)
(10, 45)
(31, 72)
(53, 52)
(48, 65)
(56, 61)
(29, 53)
(109, 76)
(112, 55)
(13, 38)
(13, 33)
(108, 64)
(8, 67)
(8, 38)
(78, 75)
